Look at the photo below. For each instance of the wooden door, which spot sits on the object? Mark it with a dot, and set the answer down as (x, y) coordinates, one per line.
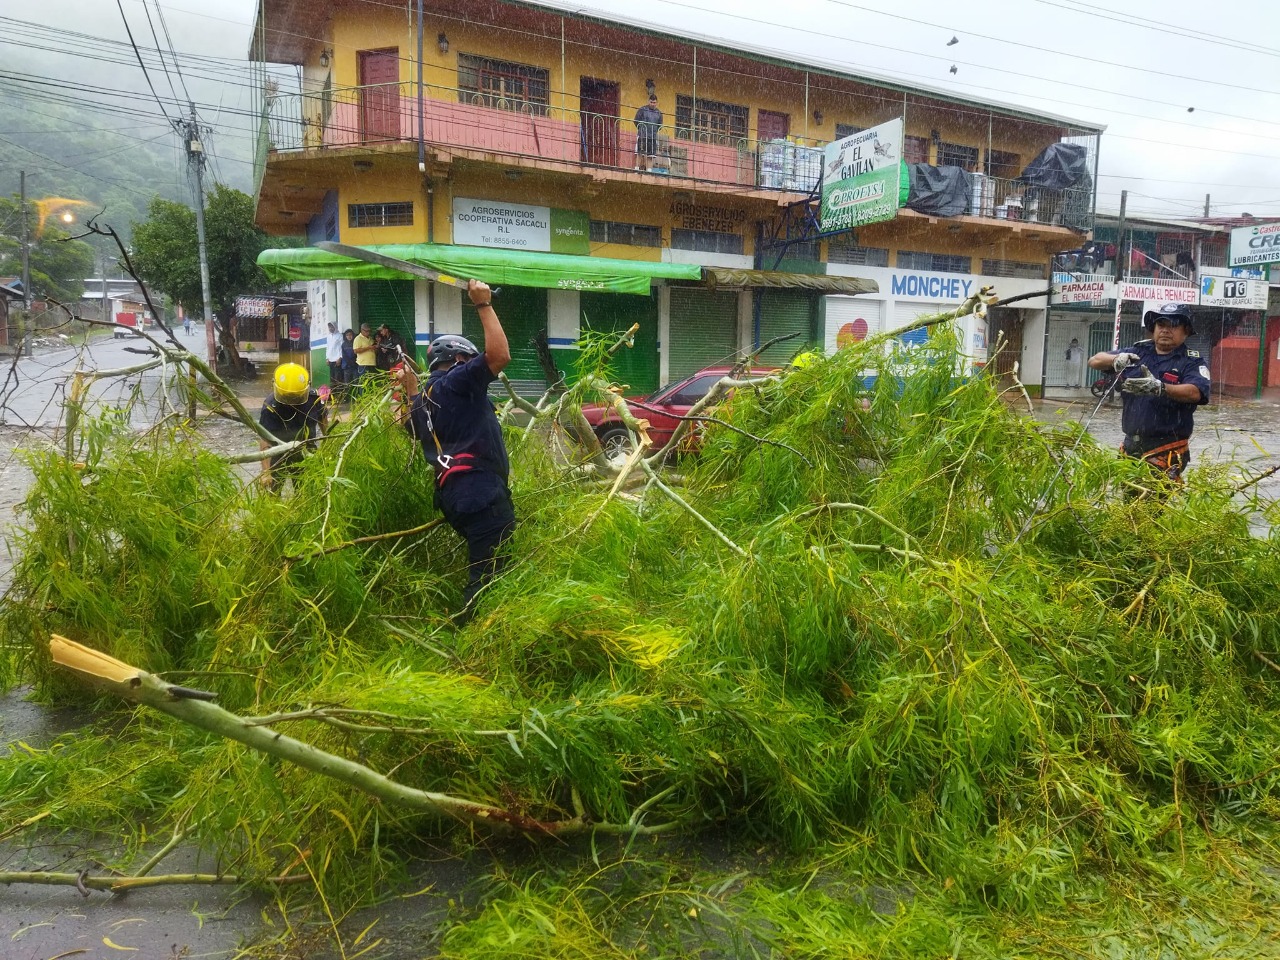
(1004, 333)
(598, 106)
(773, 126)
(379, 94)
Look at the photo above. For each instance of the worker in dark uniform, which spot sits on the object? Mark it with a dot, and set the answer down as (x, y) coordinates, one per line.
(1161, 383)
(293, 412)
(461, 438)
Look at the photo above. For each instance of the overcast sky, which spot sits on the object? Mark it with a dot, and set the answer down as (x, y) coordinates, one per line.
(1189, 109)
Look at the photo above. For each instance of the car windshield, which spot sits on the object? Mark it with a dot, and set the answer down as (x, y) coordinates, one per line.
(693, 391)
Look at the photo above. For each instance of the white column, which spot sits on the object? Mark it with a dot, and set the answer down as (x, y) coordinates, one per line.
(746, 322)
(664, 335)
(421, 314)
(449, 309)
(564, 314)
(345, 301)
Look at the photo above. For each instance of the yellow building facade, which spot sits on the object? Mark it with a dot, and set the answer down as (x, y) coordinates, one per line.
(516, 131)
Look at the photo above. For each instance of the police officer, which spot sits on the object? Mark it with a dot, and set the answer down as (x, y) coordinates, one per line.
(1162, 383)
(293, 412)
(461, 438)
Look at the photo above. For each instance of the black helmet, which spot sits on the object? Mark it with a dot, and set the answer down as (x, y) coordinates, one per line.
(1174, 314)
(447, 349)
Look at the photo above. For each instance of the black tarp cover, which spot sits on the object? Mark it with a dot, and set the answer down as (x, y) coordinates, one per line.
(1057, 167)
(939, 191)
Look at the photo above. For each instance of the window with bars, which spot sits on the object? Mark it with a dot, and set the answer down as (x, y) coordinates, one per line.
(711, 121)
(1002, 164)
(380, 214)
(957, 155)
(847, 130)
(1213, 254)
(843, 251)
(1022, 269)
(632, 234)
(936, 262)
(915, 149)
(706, 241)
(503, 85)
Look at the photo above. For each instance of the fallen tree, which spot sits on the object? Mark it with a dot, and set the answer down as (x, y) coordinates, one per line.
(834, 646)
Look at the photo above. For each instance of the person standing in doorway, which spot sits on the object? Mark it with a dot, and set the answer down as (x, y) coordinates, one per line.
(366, 355)
(1075, 364)
(461, 438)
(333, 355)
(1162, 383)
(648, 123)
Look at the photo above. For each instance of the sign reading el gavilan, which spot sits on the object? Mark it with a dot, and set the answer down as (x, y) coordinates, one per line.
(862, 177)
(1257, 243)
(520, 226)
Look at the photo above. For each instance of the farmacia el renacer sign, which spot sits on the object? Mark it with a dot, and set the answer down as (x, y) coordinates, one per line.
(862, 177)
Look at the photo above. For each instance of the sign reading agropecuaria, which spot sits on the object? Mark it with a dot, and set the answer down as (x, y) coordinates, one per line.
(1259, 243)
(520, 226)
(862, 178)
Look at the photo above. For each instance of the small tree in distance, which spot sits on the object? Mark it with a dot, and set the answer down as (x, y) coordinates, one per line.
(166, 254)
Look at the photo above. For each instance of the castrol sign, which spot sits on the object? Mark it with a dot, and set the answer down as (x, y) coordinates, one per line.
(1254, 244)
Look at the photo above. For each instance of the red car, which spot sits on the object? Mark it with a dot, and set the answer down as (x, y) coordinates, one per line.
(663, 410)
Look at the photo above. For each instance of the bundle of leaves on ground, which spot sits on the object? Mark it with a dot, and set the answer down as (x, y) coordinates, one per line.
(855, 637)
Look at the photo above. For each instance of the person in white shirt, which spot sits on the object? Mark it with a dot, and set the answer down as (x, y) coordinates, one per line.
(333, 354)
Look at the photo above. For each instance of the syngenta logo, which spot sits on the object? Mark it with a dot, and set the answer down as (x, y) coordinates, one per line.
(863, 193)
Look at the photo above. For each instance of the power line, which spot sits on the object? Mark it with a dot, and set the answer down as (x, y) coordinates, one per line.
(1187, 33)
(140, 63)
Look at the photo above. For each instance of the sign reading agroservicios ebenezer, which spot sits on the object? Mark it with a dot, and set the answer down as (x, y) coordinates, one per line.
(861, 177)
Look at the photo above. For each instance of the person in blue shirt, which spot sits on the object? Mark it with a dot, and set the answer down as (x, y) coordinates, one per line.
(1161, 384)
(461, 438)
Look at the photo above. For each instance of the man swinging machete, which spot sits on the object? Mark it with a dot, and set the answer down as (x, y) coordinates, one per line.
(461, 438)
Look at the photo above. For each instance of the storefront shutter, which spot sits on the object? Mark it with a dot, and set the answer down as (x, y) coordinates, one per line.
(704, 330)
(389, 302)
(614, 313)
(783, 312)
(843, 314)
(905, 314)
(523, 313)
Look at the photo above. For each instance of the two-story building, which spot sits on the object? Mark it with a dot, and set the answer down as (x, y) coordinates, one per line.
(507, 150)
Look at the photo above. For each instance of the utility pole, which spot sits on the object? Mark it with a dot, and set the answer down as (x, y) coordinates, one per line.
(1206, 206)
(106, 301)
(26, 258)
(195, 159)
(1121, 258)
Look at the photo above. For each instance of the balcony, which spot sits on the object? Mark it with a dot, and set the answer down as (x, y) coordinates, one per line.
(485, 125)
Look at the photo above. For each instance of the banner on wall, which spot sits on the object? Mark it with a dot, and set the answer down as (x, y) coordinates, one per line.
(1220, 288)
(520, 226)
(862, 178)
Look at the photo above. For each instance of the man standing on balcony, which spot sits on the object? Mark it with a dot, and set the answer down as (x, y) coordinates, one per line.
(461, 438)
(648, 123)
(1161, 397)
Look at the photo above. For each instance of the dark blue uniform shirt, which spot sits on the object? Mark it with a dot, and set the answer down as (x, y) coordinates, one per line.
(293, 421)
(1159, 420)
(471, 460)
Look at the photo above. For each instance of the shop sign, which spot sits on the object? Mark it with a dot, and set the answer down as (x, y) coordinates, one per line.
(1090, 289)
(686, 215)
(1159, 292)
(931, 286)
(862, 178)
(1255, 244)
(520, 226)
(1219, 289)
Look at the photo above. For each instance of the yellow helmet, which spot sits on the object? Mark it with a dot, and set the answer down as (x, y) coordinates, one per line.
(292, 382)
(802, 360)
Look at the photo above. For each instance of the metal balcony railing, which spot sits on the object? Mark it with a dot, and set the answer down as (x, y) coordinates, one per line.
(487, 122)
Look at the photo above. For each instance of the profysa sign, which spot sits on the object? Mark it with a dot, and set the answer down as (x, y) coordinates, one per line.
(861, 178)
(1255, 244)
(520, 226)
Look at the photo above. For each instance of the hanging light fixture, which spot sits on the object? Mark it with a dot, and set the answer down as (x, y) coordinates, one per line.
(324, 59)
(443, 42)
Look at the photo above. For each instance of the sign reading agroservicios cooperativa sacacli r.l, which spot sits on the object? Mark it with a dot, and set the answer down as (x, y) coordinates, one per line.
(862, 177)
(1257, 243)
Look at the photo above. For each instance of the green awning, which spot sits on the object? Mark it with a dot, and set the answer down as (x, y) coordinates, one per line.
(781, 280)
(516, 268)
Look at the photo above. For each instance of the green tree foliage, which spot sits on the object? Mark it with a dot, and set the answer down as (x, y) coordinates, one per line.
(58, 263)
(166, 250)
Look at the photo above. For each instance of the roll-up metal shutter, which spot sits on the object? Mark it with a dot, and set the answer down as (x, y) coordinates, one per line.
(390, 302)
(523, 314)
(614, 313)
(905, 314)
(704, 330)
(850, 319)
(783, 312)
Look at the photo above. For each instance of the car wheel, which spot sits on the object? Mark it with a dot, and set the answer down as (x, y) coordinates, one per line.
(616, 444)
